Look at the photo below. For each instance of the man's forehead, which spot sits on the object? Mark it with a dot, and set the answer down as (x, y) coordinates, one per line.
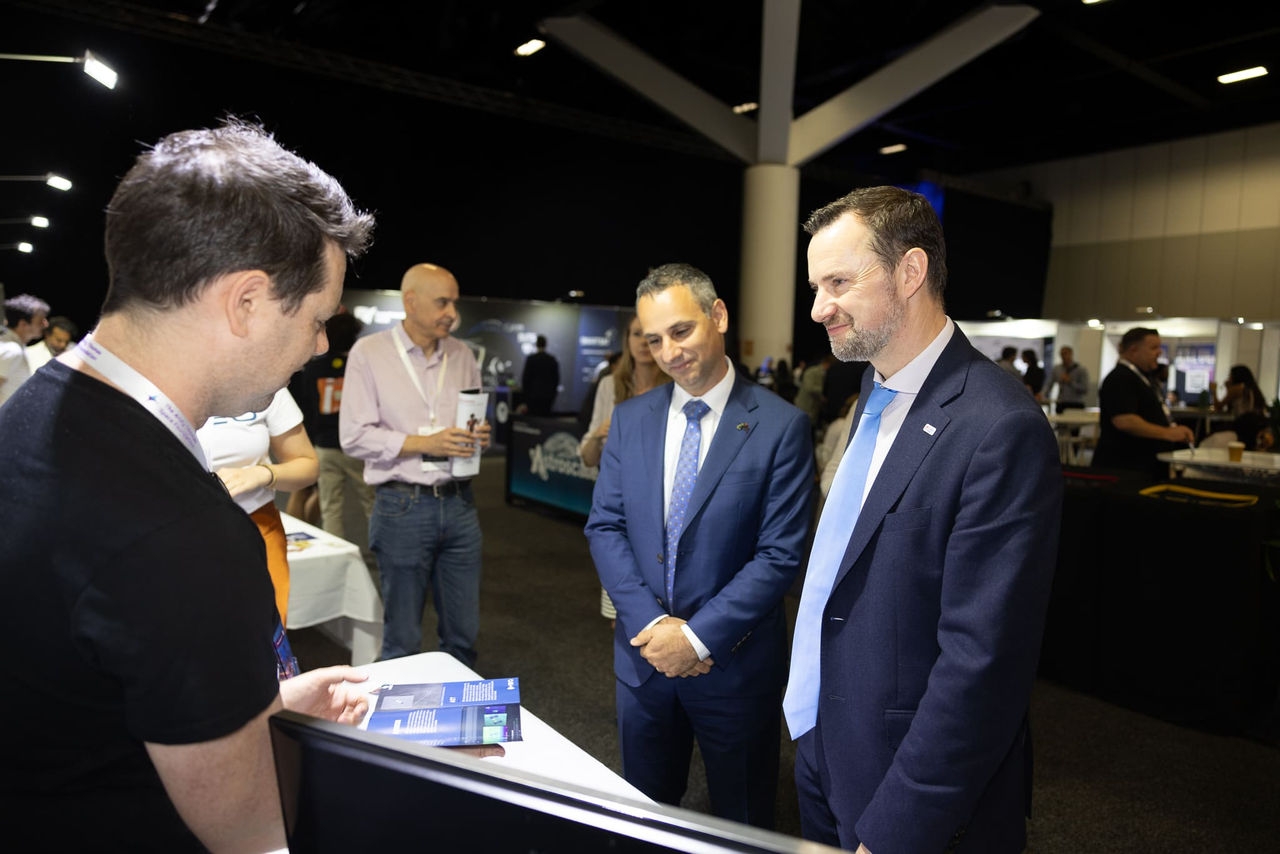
(661, 311)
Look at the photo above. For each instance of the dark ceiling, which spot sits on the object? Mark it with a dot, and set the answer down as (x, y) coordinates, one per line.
(1078, 79)
(373, 89)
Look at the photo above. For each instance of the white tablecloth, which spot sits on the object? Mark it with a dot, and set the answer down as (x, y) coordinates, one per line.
(543, 751)
(330, 588)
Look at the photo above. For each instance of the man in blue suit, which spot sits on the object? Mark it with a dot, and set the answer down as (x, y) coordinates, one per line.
(697, 559)
(910, 709)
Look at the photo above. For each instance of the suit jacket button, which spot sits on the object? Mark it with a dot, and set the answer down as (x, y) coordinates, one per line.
(660, 560)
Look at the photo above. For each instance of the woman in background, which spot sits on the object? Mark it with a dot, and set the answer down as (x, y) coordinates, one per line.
(635, 373)
(255, 454)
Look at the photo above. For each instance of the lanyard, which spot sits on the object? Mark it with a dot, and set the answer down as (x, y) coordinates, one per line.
(144, 392)
(403, 350)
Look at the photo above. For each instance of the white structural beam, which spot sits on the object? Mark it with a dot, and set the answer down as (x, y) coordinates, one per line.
(618, 57)
(780, 34)
(850, 111)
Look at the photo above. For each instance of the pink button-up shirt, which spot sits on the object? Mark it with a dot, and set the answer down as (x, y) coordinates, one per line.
(381, 405)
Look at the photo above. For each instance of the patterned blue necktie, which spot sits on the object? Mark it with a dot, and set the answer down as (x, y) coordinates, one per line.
(686, 476)
(839, 516)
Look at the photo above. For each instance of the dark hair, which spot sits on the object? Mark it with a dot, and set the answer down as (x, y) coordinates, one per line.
(1136, 335)
(204, 203)
(1009, 353)
(1031, 357)
(541, 342)
(66, 324)
(23, 307)
(670, 275)
(342, 330)
(1241, 374)
(899, 221)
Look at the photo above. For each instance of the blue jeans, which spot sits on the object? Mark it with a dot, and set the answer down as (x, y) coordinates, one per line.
(421, 540)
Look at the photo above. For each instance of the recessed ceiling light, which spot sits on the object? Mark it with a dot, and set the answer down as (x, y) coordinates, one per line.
(746, 107)
(1245, 74)
(893, 149)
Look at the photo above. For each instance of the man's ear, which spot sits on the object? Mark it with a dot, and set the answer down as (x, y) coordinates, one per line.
(720, 316)
(912, 270)
(244, 296)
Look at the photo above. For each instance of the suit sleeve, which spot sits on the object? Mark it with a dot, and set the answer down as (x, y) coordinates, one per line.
(609, 535)
(996, 574)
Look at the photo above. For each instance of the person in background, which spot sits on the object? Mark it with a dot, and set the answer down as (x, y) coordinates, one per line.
(1007, 360)
(1072, 379)
(25, 319)
(147, 612)
(920, 622)
(587, 408)
(399, 405)
(62, 332)
(255, 454)
(809, 397)
(1242, 393)
(636, 372)
(540, 379)
(764, 373)
(318, 391)
(712, 475)
(1134, 424)
(784, 384)
(1033, 375)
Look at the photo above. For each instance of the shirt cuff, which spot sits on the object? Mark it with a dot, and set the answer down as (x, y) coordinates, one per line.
(698, 646)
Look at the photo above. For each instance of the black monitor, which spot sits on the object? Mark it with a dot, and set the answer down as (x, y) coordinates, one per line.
(344, 790)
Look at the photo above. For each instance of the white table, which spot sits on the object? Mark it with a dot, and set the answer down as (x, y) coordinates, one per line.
(1215, 464)
(1069, 420)
(330, 588)
(542, 751)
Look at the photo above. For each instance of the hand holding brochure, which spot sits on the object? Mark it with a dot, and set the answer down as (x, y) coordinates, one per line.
(448, 714)
(472, 403)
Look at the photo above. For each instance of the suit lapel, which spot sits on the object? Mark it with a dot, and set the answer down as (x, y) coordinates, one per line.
(728, 440)
(653, 437)
(924, 425)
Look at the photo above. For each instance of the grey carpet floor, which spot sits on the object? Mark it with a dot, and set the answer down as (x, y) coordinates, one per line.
(1107, 779)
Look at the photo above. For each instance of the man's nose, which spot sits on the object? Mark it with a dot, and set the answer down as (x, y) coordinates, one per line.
(822, 307)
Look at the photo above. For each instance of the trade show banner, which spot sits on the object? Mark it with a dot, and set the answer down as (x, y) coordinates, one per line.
(543, 465)
(502, 333)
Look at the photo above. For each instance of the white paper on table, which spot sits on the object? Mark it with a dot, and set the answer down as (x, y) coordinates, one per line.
(472, 405)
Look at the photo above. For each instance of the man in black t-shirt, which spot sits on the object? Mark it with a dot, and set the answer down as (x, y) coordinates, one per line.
(138, 597)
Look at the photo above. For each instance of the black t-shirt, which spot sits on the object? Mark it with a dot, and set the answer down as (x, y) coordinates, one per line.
(1124, 392)
(317, 389)
(138, 608)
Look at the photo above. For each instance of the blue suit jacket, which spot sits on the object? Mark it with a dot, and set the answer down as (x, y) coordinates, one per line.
(742, 545)
(931, 636)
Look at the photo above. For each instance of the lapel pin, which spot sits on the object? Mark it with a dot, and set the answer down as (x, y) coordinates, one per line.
(930, 429)
(743, 427)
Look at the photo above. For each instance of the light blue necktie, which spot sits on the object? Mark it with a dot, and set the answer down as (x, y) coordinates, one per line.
(839, 516)
(686, 476)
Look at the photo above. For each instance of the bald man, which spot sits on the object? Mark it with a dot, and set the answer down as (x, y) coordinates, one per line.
(399, 402)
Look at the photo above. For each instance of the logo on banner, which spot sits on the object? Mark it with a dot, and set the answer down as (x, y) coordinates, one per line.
(559, 454)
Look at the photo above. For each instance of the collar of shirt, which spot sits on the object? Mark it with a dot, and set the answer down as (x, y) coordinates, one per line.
(907, 382)
(716, 398)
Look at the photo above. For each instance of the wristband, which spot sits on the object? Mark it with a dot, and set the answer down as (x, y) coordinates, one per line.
(272, 472)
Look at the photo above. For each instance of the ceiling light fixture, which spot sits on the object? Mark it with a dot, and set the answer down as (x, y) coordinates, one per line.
(23, 247)
(530, 47)
(37, 221)
(94, 67)
(893, 149)
(50, 178)
(746, 107)
(1244, 74)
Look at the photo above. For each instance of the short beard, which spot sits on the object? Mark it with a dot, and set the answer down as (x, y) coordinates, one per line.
(863, 345)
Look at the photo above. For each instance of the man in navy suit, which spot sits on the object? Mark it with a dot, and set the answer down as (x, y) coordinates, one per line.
(916, 736)
(700, 646)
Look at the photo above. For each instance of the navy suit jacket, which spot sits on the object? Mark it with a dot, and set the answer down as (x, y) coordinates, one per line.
(742, 544)
(931, 636)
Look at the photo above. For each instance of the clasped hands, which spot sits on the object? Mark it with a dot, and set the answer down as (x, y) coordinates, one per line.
(665, 646)
(450, 442)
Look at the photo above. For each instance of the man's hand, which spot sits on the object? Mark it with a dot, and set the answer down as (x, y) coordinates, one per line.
(665, 647)
(449, 442)
(322, 693)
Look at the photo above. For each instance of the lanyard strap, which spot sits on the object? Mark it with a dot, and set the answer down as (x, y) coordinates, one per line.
(144, 391)
(403, 350)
